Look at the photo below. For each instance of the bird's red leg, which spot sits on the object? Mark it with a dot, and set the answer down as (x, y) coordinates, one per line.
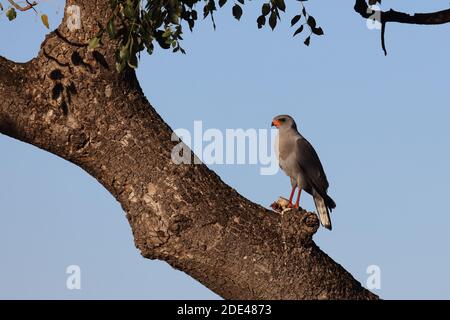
(298, 198)
(291, 197)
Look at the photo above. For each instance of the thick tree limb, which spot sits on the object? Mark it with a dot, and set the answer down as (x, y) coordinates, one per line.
(71, 102)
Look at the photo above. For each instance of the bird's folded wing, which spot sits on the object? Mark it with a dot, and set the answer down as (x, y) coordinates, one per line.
(311, 166)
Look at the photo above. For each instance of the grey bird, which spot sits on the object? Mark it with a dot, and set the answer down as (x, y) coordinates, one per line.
(300, 162)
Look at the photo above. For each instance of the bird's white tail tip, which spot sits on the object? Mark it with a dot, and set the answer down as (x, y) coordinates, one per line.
(322, 210)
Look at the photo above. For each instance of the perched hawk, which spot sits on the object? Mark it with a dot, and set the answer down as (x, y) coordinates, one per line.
(300, 162)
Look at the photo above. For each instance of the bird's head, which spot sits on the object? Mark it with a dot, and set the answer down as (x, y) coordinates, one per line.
(283, 122)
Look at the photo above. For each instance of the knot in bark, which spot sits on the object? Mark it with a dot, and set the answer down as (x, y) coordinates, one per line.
(297, 225)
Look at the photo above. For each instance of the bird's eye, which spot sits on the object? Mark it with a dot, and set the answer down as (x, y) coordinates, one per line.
(283, 119)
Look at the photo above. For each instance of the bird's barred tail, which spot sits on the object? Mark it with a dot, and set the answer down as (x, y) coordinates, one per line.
(322, 211)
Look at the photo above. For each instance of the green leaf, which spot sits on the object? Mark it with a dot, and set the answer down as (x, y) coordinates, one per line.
(281, 5)
(307, 41)
(94, 43)
(111, 28)
(311, 22)
(11, 14)
(265, 9)
(124, 53)
(261, 21)
(174, 18)
(273, 20)
(295, 20)
(205, 11)
(237, 11)
(161, 40)
(317, 31)
(298, 31)
(120, 66)
(128, 11)
(44, 19)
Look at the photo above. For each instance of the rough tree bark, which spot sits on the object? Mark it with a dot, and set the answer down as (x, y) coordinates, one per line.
(71, 102)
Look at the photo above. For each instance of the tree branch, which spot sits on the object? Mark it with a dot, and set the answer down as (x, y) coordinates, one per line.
(384, 17)
(11, 91)
(29, 6)
(70, 102)
(431, 18)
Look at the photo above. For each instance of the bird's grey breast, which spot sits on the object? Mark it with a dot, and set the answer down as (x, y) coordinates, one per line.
(287, 145)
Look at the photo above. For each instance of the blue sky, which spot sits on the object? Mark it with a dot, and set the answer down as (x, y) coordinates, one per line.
(379, 124)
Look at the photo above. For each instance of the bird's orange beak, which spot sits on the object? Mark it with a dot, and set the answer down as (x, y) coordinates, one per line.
(276, 123)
